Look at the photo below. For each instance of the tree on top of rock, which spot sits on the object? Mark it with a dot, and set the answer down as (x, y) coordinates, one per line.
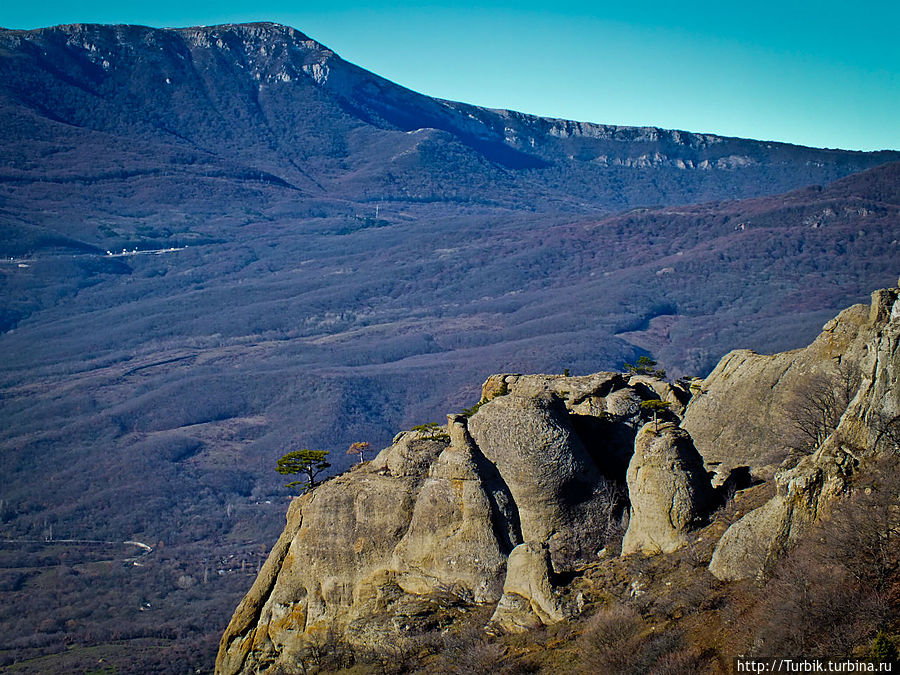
(359, 448)
(655, 406)
(433, 431)
(645, 366)
(309, 462)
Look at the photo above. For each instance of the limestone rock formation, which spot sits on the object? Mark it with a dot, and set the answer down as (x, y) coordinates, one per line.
(529, 599)
(462, 527)
(507, 503)
(869, 339)
(492, 511)
(335, 557)
(549, 473)
(751, 544)
(674, 394)
(741, 413)
(669, 490)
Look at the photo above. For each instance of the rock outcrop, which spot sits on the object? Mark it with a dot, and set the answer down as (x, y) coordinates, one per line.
(868, 338)
(739, 415)
(669, 489)
(549, 473)
(464, 508)
(492, 509)
(529, 599)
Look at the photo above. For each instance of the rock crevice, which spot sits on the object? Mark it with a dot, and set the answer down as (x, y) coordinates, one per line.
(492, 511)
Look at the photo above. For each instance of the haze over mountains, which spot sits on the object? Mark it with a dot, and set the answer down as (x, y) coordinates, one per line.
(336, 258)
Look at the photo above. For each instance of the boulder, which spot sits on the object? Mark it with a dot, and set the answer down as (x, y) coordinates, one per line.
(550, 475)
(669, 490)
(752, 543)
(529, 598)
(751, 546)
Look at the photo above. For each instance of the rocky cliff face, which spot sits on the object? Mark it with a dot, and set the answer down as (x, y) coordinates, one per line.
(742, 413)
(864, 340)
(496, 508)
(502, 507)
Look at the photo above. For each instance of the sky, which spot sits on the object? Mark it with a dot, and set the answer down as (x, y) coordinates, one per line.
(823, 74)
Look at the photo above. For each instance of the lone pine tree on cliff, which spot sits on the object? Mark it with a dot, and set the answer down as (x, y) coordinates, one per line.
(309, 462)
(655, 407)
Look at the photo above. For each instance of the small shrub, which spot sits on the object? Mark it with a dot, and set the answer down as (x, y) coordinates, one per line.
(433, 431)
(883, 648)
(468, 412)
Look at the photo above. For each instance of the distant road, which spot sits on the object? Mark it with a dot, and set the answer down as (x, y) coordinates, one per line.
(155, 251)
(145, 548)
(26, 262)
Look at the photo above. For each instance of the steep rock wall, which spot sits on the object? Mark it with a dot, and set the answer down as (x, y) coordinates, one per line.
(435, 518)
(870, 424)
(739, 413)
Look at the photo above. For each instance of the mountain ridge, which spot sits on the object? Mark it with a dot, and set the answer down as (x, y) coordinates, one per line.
(515, 136)
(269, 30)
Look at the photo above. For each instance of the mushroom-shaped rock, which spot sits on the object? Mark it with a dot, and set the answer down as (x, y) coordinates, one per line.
(551, 477)
(669, 490)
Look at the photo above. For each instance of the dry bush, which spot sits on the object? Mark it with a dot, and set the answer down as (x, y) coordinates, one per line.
(325, 651)
(616, 640)
(471, 652)
(811, 608)
(612, 498)
(887, 429)
(842, 583)
(815, 409)
(687, 660)
(607, 637)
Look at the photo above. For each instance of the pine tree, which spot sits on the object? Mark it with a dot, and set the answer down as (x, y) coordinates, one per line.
(309, 462)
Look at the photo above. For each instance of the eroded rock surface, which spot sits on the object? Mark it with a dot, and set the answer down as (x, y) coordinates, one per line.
(669, 489)
(549, 473)
(868, 338)
(503, 506)
(741, 416)
(490, 510)
(529, 598)
(464, 524)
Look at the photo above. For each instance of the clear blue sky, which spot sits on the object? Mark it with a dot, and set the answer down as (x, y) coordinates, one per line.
(825, 73)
